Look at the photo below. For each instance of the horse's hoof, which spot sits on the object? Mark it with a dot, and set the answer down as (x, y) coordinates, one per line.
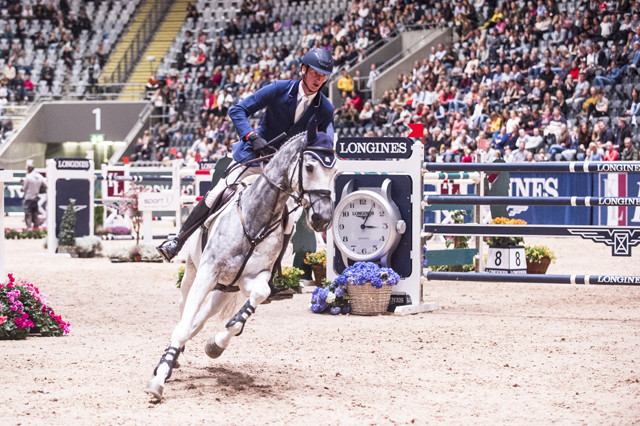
(154, 390)
(212, 349)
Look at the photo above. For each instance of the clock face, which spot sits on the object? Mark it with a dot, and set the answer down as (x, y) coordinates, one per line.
(364, 225)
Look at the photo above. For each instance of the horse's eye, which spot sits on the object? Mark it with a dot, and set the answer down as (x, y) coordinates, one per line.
(309, 167)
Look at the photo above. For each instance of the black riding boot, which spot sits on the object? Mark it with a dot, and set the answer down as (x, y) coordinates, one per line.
(170, 248)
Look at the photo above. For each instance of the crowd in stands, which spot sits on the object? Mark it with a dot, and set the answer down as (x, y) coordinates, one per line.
(239, 66)
(537, 81)
(530, 80)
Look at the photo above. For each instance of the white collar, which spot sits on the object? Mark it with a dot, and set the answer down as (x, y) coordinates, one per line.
(302, 96)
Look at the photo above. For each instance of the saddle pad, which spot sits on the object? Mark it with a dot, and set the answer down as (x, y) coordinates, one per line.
(228, 195)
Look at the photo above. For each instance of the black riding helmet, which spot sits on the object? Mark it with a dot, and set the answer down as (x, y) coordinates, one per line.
(319, 59)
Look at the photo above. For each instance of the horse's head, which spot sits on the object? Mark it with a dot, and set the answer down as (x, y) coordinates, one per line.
(303, 168)
(316, 173)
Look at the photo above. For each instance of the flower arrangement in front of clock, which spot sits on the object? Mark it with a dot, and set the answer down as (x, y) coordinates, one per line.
(367, 286)
(331, 297)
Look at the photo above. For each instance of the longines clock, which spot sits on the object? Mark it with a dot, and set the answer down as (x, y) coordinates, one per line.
(367, 224)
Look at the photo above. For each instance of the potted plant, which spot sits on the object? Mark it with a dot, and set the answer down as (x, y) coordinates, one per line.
(289, 279)
(538, 259)
(368, 286)
(135, 254)
(318, 262)
(88, 246)
(506, 254)
(24, 310)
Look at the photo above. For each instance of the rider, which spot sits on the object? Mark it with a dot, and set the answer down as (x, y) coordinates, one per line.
(289, 106)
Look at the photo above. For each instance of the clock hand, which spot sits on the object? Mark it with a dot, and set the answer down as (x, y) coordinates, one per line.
(368, 226)
(367, 218)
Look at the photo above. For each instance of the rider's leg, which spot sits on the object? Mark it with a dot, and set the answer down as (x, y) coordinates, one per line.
(170, 248)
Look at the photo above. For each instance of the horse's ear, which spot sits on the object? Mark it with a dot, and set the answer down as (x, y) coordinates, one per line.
(311, 130)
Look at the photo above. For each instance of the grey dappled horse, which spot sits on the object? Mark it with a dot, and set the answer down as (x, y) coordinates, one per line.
(243, 244)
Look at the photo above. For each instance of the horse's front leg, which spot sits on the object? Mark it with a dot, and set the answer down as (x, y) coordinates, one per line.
(183, 331)
(258, 288)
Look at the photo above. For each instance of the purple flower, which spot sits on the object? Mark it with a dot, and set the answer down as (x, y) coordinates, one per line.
(335, 310)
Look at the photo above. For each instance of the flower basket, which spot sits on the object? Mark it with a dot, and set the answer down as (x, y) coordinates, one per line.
(538, 267)
(368, 300)
(319, 273)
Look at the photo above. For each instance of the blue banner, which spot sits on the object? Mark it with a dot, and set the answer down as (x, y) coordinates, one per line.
(551, 185)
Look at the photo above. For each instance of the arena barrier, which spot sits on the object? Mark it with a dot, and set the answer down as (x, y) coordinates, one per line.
(115, 181)
(621, 239)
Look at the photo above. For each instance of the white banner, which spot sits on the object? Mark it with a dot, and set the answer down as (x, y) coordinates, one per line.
(157, 201)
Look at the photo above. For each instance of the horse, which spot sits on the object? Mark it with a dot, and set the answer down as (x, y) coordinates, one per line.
(243, 244)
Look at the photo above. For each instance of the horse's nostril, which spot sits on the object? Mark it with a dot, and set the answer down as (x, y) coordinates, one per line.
(316, 218)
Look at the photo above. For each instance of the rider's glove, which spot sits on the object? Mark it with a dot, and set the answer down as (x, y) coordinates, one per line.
(259, 146)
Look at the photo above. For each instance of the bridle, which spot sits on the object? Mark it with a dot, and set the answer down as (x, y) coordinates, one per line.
(314, 195)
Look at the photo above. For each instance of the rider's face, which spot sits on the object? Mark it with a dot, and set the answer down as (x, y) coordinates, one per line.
(314, 79)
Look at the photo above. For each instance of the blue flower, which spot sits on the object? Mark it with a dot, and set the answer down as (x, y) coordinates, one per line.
(319, 300)
(335, 310)
(362, 273)
(340, 291)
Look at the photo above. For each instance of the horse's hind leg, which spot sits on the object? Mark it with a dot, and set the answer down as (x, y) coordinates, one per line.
(183, 331)
(258, 292)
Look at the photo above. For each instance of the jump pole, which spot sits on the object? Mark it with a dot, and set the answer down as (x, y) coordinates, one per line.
(433, 200)
(572, 167)
(534, 278)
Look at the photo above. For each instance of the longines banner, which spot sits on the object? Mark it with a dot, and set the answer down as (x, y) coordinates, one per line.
(607, 186)
(373, 148)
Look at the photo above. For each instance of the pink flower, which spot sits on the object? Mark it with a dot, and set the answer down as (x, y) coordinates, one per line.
(2, 320)
(23, 321)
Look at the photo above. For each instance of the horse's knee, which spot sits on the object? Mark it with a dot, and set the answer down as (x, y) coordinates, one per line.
(261, 293)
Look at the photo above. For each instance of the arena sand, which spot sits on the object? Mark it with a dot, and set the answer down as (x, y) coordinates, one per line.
(492, 354)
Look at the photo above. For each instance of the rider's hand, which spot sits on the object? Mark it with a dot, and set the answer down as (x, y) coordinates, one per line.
(260, 146)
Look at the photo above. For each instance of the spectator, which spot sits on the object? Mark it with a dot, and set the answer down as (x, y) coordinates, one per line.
(33, 185)
(46, 74)
(630, 152)
(345, 82)
(622, 132)
(593, 153)
(610, 154)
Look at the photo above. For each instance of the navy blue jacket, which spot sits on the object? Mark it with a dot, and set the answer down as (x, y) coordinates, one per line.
(280, 100)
